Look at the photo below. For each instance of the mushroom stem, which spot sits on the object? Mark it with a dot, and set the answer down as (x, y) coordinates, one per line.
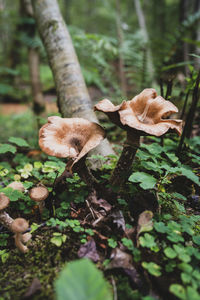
(5, 219)
(123, 167)
(85, 174)
(18, 242)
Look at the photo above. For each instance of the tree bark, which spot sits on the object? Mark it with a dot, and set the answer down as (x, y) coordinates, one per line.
(38, 100)
(142, 24)
(120, 42)
(184, 5)
(73, 97)
(33, 61)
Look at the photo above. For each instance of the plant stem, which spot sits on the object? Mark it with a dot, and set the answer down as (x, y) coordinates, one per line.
(123, 167)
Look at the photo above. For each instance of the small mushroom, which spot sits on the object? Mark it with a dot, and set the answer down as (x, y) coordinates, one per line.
(5, 219)
(145, 114)
(17, 185)
(18, 226)
(72, 138)
(39, 194)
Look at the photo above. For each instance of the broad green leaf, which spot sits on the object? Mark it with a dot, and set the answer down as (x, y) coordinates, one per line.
(13, 195)
(178, 290)
(170, 253)
(160, 227)
(81, 280)
(152, 268)
(190, 175)
(18, 141)
(147, 241)
(172, 157)
(192, 293)
(146, 181)
(196, 239)
(186, 278)
(4, 148)
(56, 240)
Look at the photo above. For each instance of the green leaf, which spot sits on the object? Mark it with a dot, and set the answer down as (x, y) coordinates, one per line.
(152, 268)
(186, 278)
(112, 243)
(170, 253)
(190, 175)
(82, 280)
(18, 141)
(13, 195)
(196, 239)
(160, 227)
(56, 240)
(147, 241)
(172, 157)
(4, 148)
(185, 267)
(178, 290)
(146, 181)
(192, 293)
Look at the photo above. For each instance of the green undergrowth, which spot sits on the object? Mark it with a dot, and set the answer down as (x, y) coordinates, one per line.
(162, 191)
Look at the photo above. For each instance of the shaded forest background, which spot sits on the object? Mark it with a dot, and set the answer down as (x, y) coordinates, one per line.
(121, 49)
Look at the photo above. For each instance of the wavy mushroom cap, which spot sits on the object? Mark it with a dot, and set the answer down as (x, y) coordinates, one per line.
(69, 137)
(4, 201)
(19, 225)
(144, 113)
(39, 193)
(16, 185)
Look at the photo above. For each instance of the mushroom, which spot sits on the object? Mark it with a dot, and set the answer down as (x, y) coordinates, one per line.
(72, 138)
(5, 219)
(39, 194)
(18, 226)
(141, 116)
(16, 185)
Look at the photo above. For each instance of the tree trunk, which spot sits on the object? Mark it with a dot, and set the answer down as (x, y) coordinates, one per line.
(184, 5)
(120, 42)
(33, 60)
(197, 33)
(38, 100)
(73, 97)
(142, 24)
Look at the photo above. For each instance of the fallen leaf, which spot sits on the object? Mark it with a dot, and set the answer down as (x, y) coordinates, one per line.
(118, 219)
(145, 222)
(89, 250)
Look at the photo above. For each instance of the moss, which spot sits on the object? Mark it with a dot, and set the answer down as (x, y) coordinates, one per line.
(43, 261)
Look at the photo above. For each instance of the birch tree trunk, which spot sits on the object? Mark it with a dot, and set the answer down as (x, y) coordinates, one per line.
(73, 97)
(142, 24)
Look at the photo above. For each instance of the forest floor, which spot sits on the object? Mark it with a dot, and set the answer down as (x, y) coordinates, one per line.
(147, 243)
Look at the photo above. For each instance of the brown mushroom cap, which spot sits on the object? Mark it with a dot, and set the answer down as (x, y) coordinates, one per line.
(39, 193)
(4, 201)
(19, 225)
(144, 114)
(16, 185)
(73, 137)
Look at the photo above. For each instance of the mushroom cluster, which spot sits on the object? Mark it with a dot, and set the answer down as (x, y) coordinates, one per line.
(144, 115)
(19, 225)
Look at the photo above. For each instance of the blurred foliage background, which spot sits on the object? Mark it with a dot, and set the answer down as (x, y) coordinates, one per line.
(122, 46)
